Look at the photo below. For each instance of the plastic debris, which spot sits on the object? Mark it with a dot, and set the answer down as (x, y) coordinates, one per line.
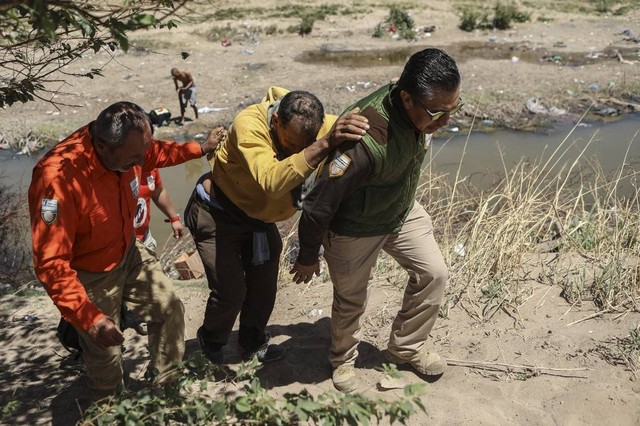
(534, 105)
(557, 111)
(207, 109)
(454, 129)
(225, 42)
(459, 250)
(247, 52)
(364, 84)
(515, 59)
(606, 111)
(487, 122)
(314, 313)
(593, 86)
(26, 318)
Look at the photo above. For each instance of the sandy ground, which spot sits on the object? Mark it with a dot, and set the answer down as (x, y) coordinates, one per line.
(571, 379)
(532, 366)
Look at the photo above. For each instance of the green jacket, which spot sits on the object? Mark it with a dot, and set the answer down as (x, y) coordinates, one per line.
(397, 148)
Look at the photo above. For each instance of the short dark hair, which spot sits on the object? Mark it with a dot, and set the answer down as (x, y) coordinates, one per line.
(116, 121)
(429, 71)
(306, 108)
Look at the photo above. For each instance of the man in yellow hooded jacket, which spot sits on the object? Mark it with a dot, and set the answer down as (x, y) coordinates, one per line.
(256, 180)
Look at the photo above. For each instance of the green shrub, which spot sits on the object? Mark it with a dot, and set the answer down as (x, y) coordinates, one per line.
(271, 29)
(403, 23)
(216, 32)
(304, 27)
(378, 31)
(469, 20)
(603, 6)
(501, 18)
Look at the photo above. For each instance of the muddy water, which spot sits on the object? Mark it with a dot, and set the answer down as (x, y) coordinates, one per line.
(338, 55)
(478, 160)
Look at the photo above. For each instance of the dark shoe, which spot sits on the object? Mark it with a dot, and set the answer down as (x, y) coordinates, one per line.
(265, 353)
(141, 328)
(213, 355)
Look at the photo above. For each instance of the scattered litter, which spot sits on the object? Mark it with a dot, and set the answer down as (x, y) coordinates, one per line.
(594, 86)
(314, 313)
(487, 122)
(247, 52)
(606, 111)
(364, 84)
(459, 250)
(515, 59)
(189, 266)
(5, 286)
(557, 111)
(454, 129)
(206, 109)
(350, 88)
(593, 55)
(534, 105)
(225, 42)
(622, 61)
(26, 318)
(584, 125)
(552, 58)
(388, 383)
(491, 38)
(5, 145)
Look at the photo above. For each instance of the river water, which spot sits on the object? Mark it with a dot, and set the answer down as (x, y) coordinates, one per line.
(472, 155)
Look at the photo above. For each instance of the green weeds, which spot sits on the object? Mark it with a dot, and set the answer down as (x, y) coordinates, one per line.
(200, 398)
(500, 17)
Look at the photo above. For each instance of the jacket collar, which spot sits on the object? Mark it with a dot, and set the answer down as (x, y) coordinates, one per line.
(397, 114)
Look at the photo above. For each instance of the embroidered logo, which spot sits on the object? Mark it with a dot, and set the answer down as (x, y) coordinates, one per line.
(49, 210)
(135, 187)
(151, 183)
(141, 213)
(339, 165)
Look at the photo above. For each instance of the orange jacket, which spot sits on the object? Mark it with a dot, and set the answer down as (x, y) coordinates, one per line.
(82, 216)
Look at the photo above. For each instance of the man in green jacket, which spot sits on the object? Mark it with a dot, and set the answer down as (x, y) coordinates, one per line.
(364, 202)
(255, 181)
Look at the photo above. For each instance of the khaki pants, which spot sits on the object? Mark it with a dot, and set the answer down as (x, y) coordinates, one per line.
(140, 283)
(350, 261)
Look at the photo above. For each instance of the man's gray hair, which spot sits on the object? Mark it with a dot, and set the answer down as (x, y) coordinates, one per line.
(115, 122)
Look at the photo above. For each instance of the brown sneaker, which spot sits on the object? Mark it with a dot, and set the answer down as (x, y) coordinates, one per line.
(429, 363)
(344, 378)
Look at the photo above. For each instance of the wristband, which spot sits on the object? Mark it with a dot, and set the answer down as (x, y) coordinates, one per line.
(173, 219)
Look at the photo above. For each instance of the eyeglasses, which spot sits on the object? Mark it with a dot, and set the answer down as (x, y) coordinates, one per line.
(438, 114)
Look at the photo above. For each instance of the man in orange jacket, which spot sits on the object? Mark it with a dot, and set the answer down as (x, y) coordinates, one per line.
(82, 201)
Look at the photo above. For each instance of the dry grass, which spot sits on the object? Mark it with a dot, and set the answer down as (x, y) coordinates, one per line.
(569, 208)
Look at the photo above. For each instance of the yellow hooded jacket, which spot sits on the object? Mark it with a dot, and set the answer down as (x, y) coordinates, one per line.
(246, 169)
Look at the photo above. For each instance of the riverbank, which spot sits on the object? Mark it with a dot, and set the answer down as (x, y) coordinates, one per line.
(557, 66)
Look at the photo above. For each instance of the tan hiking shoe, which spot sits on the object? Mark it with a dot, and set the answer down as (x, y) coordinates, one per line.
(423, 361)
(344, 378)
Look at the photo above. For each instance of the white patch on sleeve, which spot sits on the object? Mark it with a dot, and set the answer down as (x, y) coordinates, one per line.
(339, 165)
(49, 210)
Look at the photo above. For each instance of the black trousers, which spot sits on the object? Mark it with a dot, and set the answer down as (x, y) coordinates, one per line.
(237, 285)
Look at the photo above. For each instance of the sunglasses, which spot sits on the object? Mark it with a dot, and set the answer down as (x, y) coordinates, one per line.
(438, 114)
